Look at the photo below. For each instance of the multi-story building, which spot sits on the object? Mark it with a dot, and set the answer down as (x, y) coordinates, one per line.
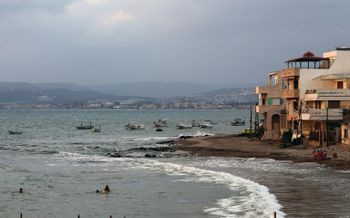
(272, 107)
(315, 92)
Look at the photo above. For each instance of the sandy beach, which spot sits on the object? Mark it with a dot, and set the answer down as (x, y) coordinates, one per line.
(236, 146)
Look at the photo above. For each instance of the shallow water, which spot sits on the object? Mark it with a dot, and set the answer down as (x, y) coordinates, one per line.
(60, 168)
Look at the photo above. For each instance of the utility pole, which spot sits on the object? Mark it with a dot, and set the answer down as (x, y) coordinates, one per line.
(301, 122)
(256, 122)
(250, 120)
(327, 143)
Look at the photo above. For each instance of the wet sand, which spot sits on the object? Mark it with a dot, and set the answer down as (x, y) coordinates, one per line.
(236, 146)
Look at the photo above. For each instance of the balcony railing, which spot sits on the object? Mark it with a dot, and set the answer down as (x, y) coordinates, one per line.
(291, 72)
(294, 93)
(321, 114)
(268, 108)
(264, 89)
(327, 95)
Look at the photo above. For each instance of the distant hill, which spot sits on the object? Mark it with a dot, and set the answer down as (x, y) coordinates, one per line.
(228, 96)
(162, 89)
(36, 86)
(54, 93)
(62, 93)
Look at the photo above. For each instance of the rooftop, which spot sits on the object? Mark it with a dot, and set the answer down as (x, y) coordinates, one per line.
(307, 57)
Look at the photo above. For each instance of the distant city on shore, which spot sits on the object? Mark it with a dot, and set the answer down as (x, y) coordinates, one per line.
(156, 96)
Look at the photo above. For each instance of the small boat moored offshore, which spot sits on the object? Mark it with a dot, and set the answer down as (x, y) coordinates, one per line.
(210, 122)
(195, 123)
(96, 129)
(160, 123)
(15, 132)
(184, 125)
(134, 126)
(238, 122)
(207, 125)
(84, 126)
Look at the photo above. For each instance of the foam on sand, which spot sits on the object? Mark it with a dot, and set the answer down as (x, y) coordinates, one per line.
(154, 138)
(250, 200)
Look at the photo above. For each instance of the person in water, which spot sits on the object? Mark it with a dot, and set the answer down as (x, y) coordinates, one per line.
(106, 189)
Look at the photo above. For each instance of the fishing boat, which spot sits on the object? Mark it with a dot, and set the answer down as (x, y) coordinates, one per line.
(238, 122)
(85, 126)
(160, 123)
(184, 125)
(207, 125)
(134, 126)
(195, 123)
(15, 132)
(211, 122)
(96, 129)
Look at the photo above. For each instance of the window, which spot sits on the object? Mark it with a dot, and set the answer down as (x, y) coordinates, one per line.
(333, 104)
(274, 101)
(263, 101)
(340, 84)
(318, 105)
(296, 84)
(295, 105)
(345, 133)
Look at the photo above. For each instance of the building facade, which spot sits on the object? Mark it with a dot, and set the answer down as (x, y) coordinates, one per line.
(314, 97)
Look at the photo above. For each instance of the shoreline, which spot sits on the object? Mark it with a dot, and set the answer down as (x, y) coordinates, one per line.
(243, 147)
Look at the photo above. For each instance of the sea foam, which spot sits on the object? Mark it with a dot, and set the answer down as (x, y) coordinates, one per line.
(251, 199)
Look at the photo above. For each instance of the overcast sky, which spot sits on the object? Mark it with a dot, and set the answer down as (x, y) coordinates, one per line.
(206, 41)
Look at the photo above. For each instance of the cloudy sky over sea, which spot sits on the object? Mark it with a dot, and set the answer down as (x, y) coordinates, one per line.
(206, 41)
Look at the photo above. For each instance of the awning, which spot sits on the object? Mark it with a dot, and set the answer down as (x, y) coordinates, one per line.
(340, 76)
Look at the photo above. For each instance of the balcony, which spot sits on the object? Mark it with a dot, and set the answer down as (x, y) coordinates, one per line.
(294, 93)
(263, 89)
(291, 72)
(268, 108)
(321, 114)
(327, 95)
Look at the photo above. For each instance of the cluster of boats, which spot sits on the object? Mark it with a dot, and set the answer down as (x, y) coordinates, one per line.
(159, 125)
(206, 124)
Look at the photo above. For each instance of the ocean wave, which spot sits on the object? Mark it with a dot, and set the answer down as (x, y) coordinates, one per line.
(83, 157)
(154, 138)
(343, 171)
(252, 200)
(197, 134)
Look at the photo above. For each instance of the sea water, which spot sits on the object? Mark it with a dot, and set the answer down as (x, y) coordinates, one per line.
(60, 168)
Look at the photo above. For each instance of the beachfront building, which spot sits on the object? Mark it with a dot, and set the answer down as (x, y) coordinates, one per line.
(316, 96)
(271, 107)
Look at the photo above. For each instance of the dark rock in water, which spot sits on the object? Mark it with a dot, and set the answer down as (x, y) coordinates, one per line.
(116, 155)
(169, 142)
(158, 149)
(150, 155)
(185, 137)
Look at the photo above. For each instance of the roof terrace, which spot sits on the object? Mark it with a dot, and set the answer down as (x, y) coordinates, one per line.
(309, 61)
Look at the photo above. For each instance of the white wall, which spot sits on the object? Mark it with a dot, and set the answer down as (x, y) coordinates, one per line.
(339, 66)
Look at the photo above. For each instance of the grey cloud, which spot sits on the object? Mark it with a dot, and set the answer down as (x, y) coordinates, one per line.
(177, 40)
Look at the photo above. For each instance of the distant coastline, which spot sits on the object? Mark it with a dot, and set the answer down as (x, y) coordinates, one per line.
(135, 106)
